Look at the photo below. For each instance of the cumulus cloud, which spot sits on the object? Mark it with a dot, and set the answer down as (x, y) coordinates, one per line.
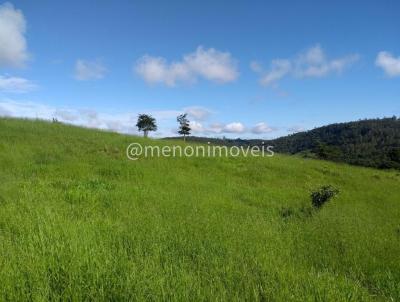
(261, 128)
(197, 127)
(4, 112)
(234, 127)
(66, 115)
(209, 64)
(389, 63)
(15, 84)
(212, 64)
(13, 48)
(89, 70)
(88, 118)
(26, 109)
(279, 69)
(157, 70)
(91, 117)
(122, 122)
(311, 63)
(215, 128)
(197, 113)
(256, 66)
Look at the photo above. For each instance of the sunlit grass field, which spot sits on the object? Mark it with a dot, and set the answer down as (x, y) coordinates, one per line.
(79, 221)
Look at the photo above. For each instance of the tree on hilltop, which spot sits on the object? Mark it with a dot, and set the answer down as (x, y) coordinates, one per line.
(184, 126)
(146, 123)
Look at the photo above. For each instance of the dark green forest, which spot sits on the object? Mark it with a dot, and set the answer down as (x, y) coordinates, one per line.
(370, 143)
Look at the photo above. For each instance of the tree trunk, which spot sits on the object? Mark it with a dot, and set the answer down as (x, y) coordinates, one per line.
(184, 137)
(145, 133)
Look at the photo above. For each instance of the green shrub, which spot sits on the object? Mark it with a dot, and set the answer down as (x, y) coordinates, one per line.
(322, 195)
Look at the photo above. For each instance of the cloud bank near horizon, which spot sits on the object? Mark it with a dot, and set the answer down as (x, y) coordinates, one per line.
(125, 122)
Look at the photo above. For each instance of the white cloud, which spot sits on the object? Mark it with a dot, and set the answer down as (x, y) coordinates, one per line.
(120, 122)
(389, 63)
(311, 63)
(13, 49)
(26, 109)
(196, 127)
(261, 128)
(216, 128)
(66, 115)
(212, 64)
(89, 113)
(234, 127)
(313, 56)
(89, 70)
(279, 68)
(91, 117)
(4, 112)
(209, 64)
(15, 84)
(123, 122)
(156, 70)
(197, 113)
(256, 66)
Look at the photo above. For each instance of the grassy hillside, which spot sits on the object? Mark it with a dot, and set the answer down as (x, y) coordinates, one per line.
(78, 221)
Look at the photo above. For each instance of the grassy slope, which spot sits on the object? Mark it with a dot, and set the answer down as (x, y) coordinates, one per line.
(80, 221)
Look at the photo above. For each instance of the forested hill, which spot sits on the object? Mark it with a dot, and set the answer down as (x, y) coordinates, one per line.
(371, 143)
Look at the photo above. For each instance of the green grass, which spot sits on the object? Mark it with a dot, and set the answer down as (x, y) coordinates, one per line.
(78, 221)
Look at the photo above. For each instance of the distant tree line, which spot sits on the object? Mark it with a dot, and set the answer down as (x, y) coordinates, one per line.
(371, 143)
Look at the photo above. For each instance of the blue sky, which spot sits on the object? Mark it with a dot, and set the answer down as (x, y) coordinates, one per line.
(238, 68)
